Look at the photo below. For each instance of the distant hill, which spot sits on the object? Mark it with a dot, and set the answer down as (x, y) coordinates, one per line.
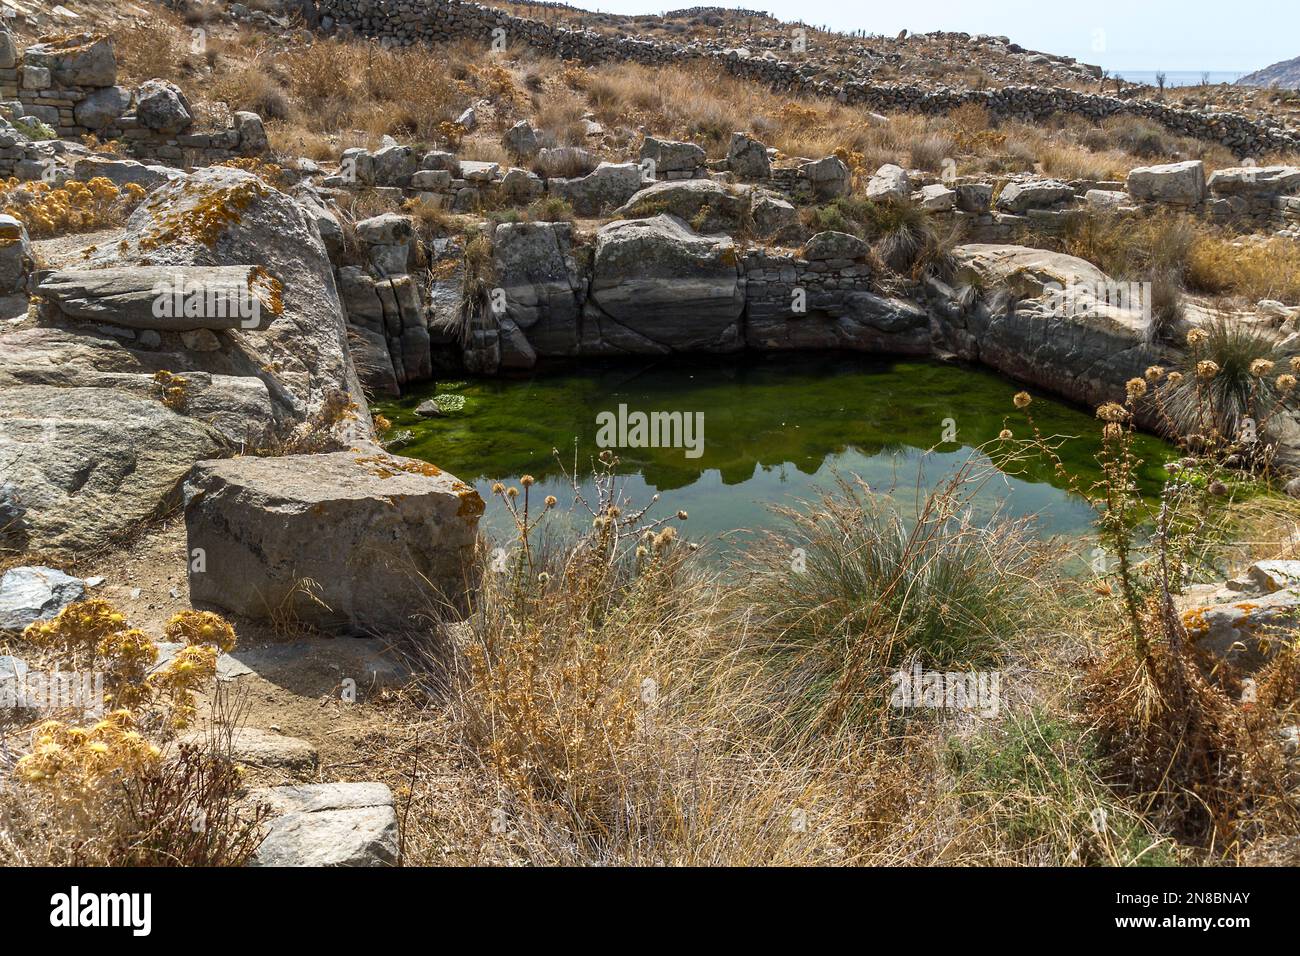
(1285, 74)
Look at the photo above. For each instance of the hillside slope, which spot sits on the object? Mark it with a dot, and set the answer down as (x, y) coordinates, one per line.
(1285, 75)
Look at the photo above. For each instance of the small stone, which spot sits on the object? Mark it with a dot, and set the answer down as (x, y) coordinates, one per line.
(31, 594)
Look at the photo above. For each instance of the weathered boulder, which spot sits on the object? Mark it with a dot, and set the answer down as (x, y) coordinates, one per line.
(1178, 183)
(606, 187)
(889, 182)
(520, 140)
(441, 160)
(77, 59)
(162, 107)
(401, 537)
(520, 186)
(1246, 631)
(1020, 197)
(829, 177)
(706, 205)
(35, 594)
(93, 447)
(393, 165)
(539, 277)
(1105, 199)
(480, 172)
(102, 108)
(15, 255)
(668, 284)
(167, 298)
(1255, 180)
(251, 133)
(328, 824)
(671, 160)
(747, 158)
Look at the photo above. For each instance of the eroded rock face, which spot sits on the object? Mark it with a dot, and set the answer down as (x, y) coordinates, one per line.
(220, 216)
(667, 284)
(1084, 351)
(96, 444)
(384, 539)
(167, 298)
(88, 462)
(539, 277)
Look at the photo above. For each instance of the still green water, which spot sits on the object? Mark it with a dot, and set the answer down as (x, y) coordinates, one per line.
(776, 429)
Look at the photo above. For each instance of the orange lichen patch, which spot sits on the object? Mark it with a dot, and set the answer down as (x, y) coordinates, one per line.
(267, 288)
(1194, 620)
(387, 466)
(204, 219)
(471, 502)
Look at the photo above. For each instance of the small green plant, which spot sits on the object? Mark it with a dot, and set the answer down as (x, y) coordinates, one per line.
(34, 129)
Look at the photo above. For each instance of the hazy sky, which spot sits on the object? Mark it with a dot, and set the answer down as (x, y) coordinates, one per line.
(1118, 34)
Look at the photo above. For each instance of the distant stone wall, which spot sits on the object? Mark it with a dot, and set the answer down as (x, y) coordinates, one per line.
(69, 83)
(406, 22)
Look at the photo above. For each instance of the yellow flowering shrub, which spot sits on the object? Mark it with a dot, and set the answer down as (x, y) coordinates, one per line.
(201, 627)
(191, 668)
(94, 634)
(47, 210)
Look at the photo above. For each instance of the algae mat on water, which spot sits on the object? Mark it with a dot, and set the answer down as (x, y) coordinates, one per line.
(775, 429)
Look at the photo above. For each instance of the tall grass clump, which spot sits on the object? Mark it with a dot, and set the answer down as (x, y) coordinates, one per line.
(859, 588)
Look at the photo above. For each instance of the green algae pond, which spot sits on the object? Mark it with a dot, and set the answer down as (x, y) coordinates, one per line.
(776, 430)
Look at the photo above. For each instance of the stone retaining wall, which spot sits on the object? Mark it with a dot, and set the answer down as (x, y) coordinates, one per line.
(69, 83)
(405, 22)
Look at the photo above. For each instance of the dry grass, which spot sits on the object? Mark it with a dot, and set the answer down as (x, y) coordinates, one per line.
(1197, 257)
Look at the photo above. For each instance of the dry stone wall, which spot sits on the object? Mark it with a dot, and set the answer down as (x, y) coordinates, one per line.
(406, 22)
(68, 83)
